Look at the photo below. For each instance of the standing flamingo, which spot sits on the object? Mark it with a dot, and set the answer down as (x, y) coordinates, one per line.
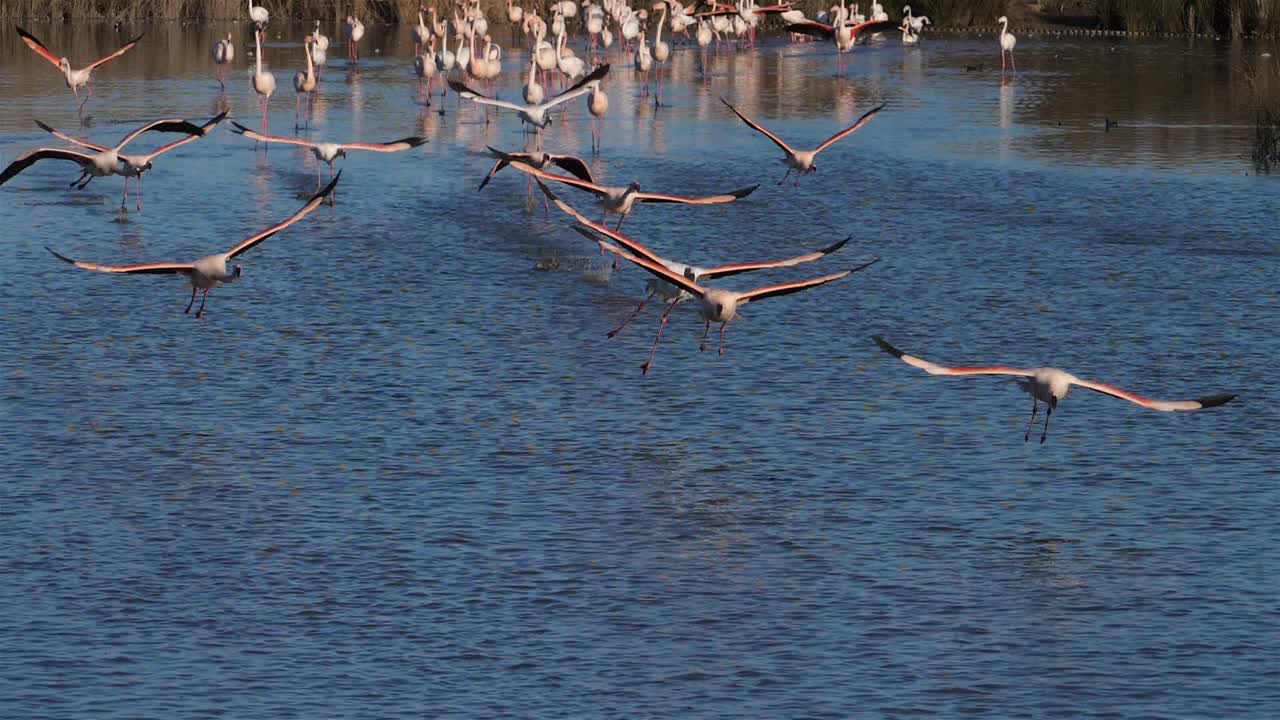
(264, 83)
(598, 104)
(355, 31)
(224, 51)
(304, 83)
(661, 51)
(259, 16)
(1007, 41)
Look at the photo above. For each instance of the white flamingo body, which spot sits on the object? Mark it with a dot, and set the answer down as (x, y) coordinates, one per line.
(259, 15)
(224, 52)
(264, 83)
(1007, 41)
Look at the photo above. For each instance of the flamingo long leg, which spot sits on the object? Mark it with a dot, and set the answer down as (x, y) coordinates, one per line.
(784, 177)
(723, 326)
(1035, 407)
(203, 300)
(706, 332)
(193, 301)
(632, 316)
(644, 370)
(1047, 414)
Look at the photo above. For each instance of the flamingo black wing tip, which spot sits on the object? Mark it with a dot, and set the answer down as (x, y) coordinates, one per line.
(832, 248)
(328, 189)
(238, 129)
(1216, 400)
(866, 265)
(885, 346)
(743, 192)
(61, 257)
(44, 127)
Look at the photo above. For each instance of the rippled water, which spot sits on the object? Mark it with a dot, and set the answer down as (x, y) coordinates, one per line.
(399, 471)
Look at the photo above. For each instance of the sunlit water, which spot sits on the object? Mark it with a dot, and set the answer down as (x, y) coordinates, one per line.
(399, 471)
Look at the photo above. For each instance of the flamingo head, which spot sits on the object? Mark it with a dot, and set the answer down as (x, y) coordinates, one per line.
(145, 167)
(64, 65)
(237, 271)
(1002, 19)
(341, 153)
(634, 186)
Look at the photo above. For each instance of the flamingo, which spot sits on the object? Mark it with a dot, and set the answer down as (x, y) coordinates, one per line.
(259, 15)
(803, 161)
(570, 66)
(104, 162)
(1050, 386)
(576, 166)
(420, 33)
(1007, 41)
(621, 200)
(672, 295)
(533, 93)
(73, 78)
(661, 51)
(321, 40)
(515, 14)
(133, 166)
(535, 115)
(715, 304)
(355, 31)
(304, 83)
(643, 61)
(264, 83)
(210, 271)
(327, 152)
(843, 35)
(224, 51)
(424, 66)
(598, 105)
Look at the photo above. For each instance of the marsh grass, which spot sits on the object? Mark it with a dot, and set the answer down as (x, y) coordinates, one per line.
(1264, 89)
(1230, 17)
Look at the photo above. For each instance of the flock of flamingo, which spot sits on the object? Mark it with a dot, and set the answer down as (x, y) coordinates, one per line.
(673, 283)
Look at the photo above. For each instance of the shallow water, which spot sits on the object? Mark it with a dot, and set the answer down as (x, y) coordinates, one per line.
(399, 471)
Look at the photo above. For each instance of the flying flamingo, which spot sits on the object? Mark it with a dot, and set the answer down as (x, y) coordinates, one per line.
(264, 83)
(1050, 386)
(74, 78)
(133, 166)
(803, 161)
(621, 200)
(843, 35)
(1007, 41)
(304, 83)
(672, 295)
(716, 304)
(224, 51)
(540, 160)
(535, 115)
(327, 152)
(210, 271)
(104, 161)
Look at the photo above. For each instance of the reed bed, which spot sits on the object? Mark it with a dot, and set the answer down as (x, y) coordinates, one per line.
(1227, 17)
